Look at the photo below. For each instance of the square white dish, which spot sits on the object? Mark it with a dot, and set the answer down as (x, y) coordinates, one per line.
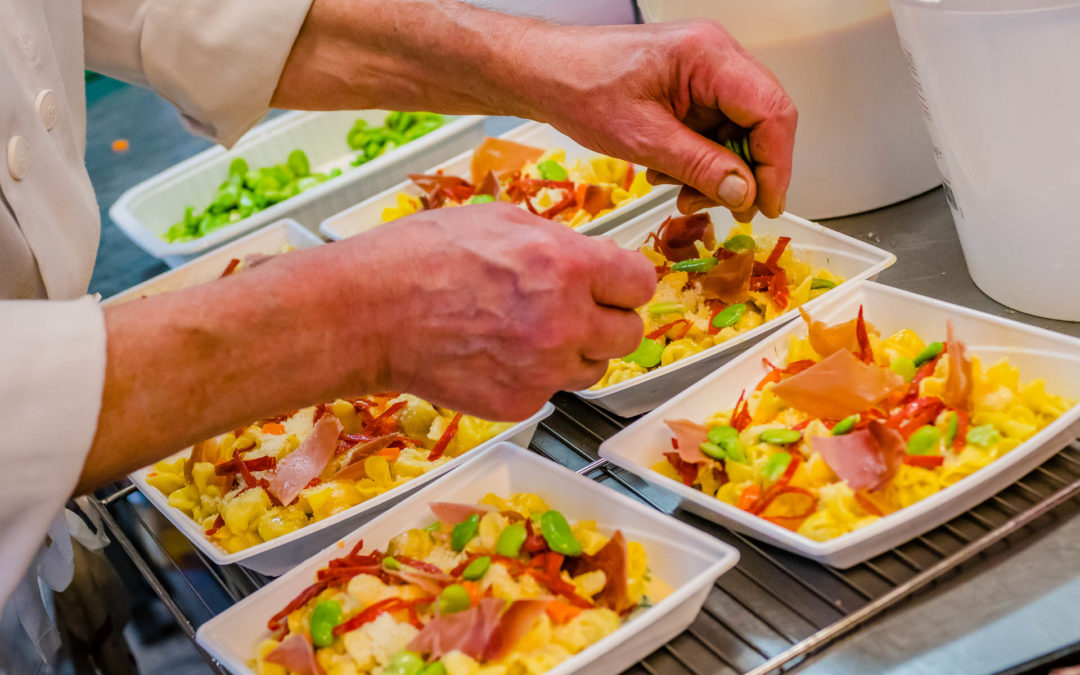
(209, 266)
(850, 258)
(148, 209)
(367, 214)
(1038, 353)
(687, 559)
(278, 555)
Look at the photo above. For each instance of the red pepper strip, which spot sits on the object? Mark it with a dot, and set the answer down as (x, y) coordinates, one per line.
(961, 430)
(556, 584)
(556, 209)
(740, 418)
(778, 287)
(419, 564)
(296, 603)
(713, 330)
(866, 354)
(687, 470)
(925, 371)
(925, 461)
(778, 250)
(868, 504)
(628, 181)
(444, 440)
(370, 614)
(675, 443)
(348, 572)
(749, 497)
(773, 377)
(534, 541)
(799, 366)
(915, 414)
(230, 268)
(778, 487)
(231, 466)
(656, 334)
(805, 423)
(218, 524)
(377, 425)
(793, 522)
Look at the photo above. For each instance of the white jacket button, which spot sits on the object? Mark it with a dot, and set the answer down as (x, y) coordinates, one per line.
(48, 109)
(18, 156)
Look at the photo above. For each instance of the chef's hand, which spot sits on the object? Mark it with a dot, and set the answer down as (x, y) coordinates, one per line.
(666, 96)
(504, 308)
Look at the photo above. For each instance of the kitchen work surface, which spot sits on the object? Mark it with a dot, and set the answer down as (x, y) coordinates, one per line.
(991, 589)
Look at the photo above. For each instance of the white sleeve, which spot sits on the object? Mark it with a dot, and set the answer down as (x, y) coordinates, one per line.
(52, 374)
(218, 61)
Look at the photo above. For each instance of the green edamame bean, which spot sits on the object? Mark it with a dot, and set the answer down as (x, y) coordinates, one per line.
(551, 170)
(298, 163)
(454, 598)
(436, 668)
(404, 663)
(931, 350)
(238, 167)
(324, 618)
(776, 465)
(694, 265)
(225, 199)
(727, 439)
(481, 199)
(647, 355)
(818, 283)
(477, 568)
(905, 368)
(510, 540)
(729, 316)
(952, 425)
(780, 436)
(983, 436)
(307, 182)
(666, 308)
(710, 449)
(740, 242)
(845, 425)
(558, 535)
(391, 563)
(924, 441)
(464, 532)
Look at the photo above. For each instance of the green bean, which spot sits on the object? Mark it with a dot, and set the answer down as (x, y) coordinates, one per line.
(647, 355)
(404, 663)
(454, 598)
(931, 350)
(776, 465)
(510, 540)
(694, 265)
(729, 316)
(845, 425)
(780, 436)
(324, 618)
(666, 308)
(464, 532)
(740, 242)
(905, 368)
(481, 199)
(558, 535)
(817, 283)
(551, 170)
(924, 441)
(983, 436)
(477, 568)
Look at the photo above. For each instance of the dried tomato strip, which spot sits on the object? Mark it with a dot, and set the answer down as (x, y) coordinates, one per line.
(444, 440)
(924, 461)
(866, 354)
(656, 334)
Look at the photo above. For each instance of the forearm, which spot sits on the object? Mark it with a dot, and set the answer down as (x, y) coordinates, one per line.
(184, 366)
(440, 55)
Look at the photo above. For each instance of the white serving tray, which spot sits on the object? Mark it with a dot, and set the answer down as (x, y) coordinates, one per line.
(687, 559)
(209, 266)
(1036, 352)
(367, 215)
(850, 258)
(278, 555)
(147, 210)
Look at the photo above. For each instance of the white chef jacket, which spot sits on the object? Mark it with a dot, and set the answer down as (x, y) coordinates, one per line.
(219, 62)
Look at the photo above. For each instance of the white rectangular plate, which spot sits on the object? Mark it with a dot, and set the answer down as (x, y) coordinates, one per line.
(687, 559)
(1036, 352)
(820, 246)
(148, 209)
(209, 266)
(367, 215)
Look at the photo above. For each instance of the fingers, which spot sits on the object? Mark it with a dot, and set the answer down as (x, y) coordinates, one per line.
(613, 333)
(619, 278)
(587, 374)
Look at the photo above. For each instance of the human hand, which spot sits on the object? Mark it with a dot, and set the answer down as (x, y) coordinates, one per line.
(495, 309)
(666, 96)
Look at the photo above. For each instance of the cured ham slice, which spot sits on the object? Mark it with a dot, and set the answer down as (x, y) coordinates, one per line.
(297, 469)
(295, 654)
(489, 186)
(596, 199)
(499, 156)
(676, 236)
(203, 451)
(866, 458)
(611, 560)
(514, 623)
(729, 281)
(353, 466)
(430, 582)
(689, 435)
(838, 386)
(827, 340)
(469, 631)
(957, 393)
(439, 188)
(451, 513)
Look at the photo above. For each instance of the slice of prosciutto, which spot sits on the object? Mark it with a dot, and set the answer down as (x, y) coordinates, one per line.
(729, 281)
(296, 654)
(866, 458)
(297, 469)
(676, 236)
(596, 199)
(514, 623)
(827, 340)
(203, 451)
(499, 156)
(452, 513)
(468, 632)
(689, 435)
(838, 386)
(957, 393)
(430, 582)
(611, 559)
(440, 188)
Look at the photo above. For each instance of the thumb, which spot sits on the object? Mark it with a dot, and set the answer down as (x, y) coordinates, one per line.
(707, 166)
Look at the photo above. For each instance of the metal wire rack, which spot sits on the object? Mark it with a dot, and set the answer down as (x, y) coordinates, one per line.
(772, 612)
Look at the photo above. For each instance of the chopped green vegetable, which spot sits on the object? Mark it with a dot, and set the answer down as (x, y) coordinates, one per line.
(952, 425)
(551, 170)
(434, 527)
(481, 199)
(924, 441)
(776, 465)
(695, 265)
(931, 350)
(298, 163)
(454, 598)
(477, 568)
(647, 355)
(983, 436)
(558, 535)
(740, 242)
(710, 449)
(818, 282)
(464, 532)
(391, 563)
(436, 668)
(845, 425)
(324, 618)
(729, 316)
(780, 436)
(905, 368)
(666, 308)
(510, 540)
(404, 663)
(727, 439)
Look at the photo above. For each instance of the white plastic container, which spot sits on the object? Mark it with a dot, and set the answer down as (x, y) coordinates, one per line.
(998, 81)
(270, 240)
(367, 215)
(859, 145)
(278, 555)
(147, 210)
(1036, 352)
(687, 559)
(820, 246)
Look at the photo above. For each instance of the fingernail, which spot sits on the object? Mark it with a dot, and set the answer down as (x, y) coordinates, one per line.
(732, 190)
